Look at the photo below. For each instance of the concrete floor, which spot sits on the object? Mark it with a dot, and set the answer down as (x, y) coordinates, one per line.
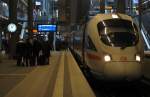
(11, 75)
(61, 78)
(6, 84)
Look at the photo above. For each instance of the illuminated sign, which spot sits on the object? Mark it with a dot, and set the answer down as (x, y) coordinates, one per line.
(135, 1)
(47, 28)
(34, 31)
(37, 3)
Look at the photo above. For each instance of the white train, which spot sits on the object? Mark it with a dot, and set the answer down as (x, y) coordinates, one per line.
(111, 46)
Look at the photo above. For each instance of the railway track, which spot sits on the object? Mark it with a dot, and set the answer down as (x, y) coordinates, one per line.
(120, 89)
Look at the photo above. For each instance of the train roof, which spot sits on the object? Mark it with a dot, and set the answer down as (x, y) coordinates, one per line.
(101, 17)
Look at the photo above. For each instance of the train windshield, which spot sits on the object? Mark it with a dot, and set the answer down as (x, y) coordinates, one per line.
(118, 33)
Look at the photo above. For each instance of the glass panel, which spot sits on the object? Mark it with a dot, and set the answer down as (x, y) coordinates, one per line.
(118, 33)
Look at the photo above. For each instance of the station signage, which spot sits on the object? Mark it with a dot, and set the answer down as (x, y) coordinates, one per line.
(135, 1)
(47, 28)
(37, 3)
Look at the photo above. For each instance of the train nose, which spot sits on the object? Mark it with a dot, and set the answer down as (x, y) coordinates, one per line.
(122, 70)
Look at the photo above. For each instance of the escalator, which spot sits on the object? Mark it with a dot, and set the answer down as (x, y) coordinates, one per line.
(145, 29)
(22, 34)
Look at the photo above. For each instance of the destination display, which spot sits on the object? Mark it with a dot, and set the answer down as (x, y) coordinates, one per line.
(47, 28)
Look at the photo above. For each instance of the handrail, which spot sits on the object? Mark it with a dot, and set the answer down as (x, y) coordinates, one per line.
(144, 33)
(3, 17)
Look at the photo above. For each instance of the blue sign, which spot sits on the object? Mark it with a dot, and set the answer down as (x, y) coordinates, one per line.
(47, 28)
(136, 1)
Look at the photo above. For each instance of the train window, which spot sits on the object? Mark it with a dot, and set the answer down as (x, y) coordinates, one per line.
(118, 23)
(117, 32)
(90, 45)
(119, 39)
(100, 27)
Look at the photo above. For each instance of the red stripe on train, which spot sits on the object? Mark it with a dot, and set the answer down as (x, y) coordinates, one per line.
(93, 56)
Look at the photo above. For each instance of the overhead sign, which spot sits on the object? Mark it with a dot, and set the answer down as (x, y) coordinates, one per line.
(135, 1)
(12, 27)
(47, 28)
(37, 3)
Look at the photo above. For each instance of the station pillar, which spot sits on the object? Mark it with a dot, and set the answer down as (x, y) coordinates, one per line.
(12, 37)
(121, 6)
(131, 7)
(12, 10)
(102, 6)
(0, 44)
(30, 18)
(74, 7)
(140, 13)
(0, 38)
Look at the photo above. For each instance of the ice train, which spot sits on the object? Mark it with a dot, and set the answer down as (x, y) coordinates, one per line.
(111, 46)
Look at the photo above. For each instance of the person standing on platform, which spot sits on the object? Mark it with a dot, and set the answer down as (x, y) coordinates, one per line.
(20, 48)
(41, 53)
(36, 50)
(29, 52)
(47, 53)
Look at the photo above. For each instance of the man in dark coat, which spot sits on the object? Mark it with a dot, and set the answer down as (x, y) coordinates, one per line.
(41, 57)
(20, 47)
(29, 52)
(47, 53)
(36, 50)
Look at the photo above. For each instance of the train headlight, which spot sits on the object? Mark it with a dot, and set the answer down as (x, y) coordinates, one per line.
(107, 58)
(138, 58)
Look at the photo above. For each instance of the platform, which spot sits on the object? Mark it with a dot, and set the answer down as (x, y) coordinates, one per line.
(61, 78)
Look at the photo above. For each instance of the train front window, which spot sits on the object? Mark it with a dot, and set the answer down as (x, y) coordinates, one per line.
(118, 33)
(119, 39)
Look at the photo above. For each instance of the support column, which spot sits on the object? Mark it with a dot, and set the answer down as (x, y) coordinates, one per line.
(30, 18)
(131, 7)
(79, 11)
(0, 44)
(74, 11)
(13, 36)
(102, 6)
(13, 10)
(140, 14)
(82, 10)
(121, 6)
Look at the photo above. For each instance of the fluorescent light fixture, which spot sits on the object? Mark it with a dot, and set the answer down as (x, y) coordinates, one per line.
(4, 4)
(37, 3)
(2, 33)
(57, 13)
(115, 16)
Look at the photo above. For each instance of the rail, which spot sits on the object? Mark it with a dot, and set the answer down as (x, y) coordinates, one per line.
(144, 33)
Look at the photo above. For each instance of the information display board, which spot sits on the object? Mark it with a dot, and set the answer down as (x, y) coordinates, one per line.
(47, 28)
